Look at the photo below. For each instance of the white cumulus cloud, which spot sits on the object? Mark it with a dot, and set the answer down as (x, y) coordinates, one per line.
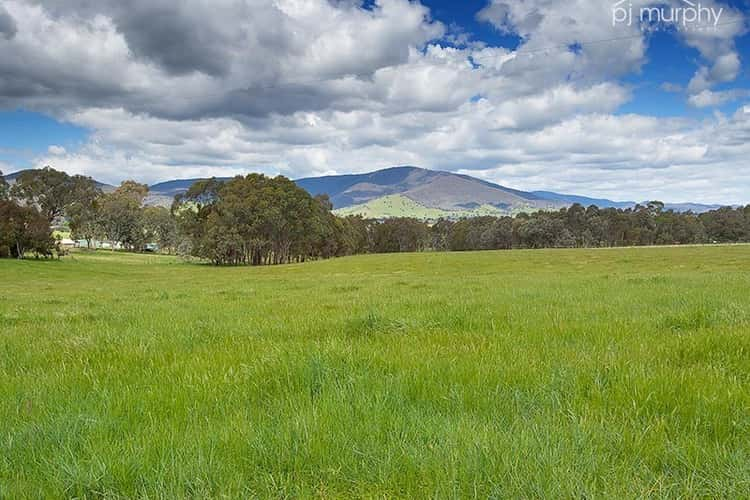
(307, 87)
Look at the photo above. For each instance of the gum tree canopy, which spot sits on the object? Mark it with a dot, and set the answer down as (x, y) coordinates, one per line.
(52, 191)
(256, 220)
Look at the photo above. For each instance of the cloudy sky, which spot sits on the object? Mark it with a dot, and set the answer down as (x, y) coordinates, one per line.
(561, 95)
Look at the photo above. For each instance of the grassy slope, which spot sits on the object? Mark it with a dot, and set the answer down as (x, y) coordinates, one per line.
(519, 374)
(396, 205)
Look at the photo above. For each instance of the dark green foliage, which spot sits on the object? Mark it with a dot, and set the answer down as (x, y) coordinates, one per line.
(160, 227)
(52, 191)
(257, 220)
(36, 199)
(27, 209)
(120, 216)
(23, 230)
(573, 227)
(400, 235)
(83, 211)
(577, 226)
(727, 225)
(480, 234)
(355, 235)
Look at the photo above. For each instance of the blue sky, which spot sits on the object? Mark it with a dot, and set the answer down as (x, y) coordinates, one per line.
(24, 135)
(667, 60)
(484, 87)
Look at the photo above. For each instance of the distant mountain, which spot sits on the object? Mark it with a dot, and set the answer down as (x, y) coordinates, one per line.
(697, 208)
(431, 189)
(417, 192)
(163, 193)
(604, 203)
(178, 186)
(584, 200)
(11, 178)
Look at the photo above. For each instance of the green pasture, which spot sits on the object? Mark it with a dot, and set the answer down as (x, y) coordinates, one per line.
(621, 373)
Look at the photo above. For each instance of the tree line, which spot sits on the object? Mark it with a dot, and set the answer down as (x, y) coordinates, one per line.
(591, 227)
(43, 199)
(572, 227)
(259, 220)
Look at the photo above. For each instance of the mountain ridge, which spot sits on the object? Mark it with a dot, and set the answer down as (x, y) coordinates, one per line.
(430, 188)
(423, 191)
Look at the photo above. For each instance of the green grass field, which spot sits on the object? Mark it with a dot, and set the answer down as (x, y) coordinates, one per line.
(559, 373)
(397, 205)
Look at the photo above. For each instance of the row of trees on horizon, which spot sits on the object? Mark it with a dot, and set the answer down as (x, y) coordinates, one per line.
(258, 220)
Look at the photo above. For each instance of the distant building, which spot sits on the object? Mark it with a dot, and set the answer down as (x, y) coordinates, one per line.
(96, 244)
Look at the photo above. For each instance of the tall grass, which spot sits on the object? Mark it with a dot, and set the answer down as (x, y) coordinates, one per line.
(558, 373)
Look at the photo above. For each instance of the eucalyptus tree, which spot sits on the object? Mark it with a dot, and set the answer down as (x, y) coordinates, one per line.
(120, 215)
(256, 220)
(52, 191)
